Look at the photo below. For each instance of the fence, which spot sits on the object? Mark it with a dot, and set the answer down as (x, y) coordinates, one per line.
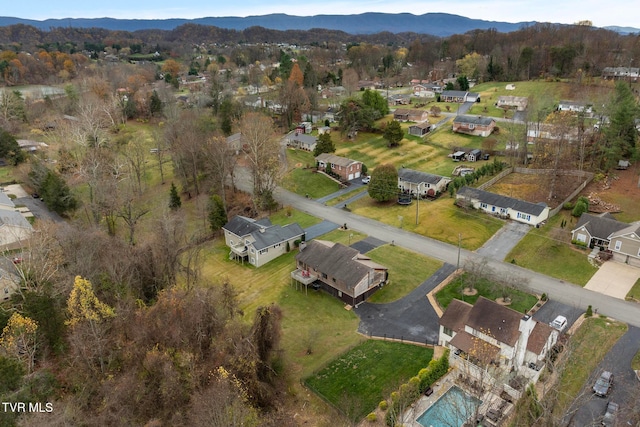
(496, 178)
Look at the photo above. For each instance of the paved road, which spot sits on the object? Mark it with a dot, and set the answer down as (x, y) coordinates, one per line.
(411, 318)
(626, 387)
(567, 293)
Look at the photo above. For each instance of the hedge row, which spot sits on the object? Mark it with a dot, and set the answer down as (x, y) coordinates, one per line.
(417, 385)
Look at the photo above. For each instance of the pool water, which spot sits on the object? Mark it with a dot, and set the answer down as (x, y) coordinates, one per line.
(452, 409)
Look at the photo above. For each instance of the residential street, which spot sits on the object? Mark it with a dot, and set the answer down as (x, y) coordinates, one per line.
(567, 293)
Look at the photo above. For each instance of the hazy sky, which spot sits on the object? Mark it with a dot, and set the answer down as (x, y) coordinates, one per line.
(600, 12)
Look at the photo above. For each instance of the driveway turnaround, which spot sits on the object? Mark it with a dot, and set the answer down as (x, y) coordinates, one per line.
(614, 279)
(368, 244)
(411, 318)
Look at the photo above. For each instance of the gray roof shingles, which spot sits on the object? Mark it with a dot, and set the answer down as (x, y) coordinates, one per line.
(416, 177)
(502, 201)
(599, 227)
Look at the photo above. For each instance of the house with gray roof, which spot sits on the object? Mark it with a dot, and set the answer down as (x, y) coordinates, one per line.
(410, 115)
(595, 230)
(420, 129)
(6, 203)
(259, 241)
(421, 183)
(494, 334)
(15, 230)
(301, 141)
(474, 125)
(340, 270)
(503, 206)
(519, 103)
(625, 244)
(459, 96)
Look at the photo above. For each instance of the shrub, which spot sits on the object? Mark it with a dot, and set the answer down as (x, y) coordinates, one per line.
(589, 312)
(543, 297)
(372, 417)
(568, 206)
(580, 208)
(383, 405)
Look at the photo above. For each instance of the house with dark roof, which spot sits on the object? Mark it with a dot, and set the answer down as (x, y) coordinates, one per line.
(347, 169)
(492, 333)
(474, 125)
(399, 99)
(259, 241)
(625, 244)
(595, 230)
(420, 129)
(340, 270)
(574, 107)
(301, 141)
(503, 206)
(421, 183)
(410, 115)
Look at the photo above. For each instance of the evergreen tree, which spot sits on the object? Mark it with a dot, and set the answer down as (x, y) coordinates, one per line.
(384, 183)
(9, 148)
(621, 134)
(217, 213)
(324, 145)
(374, 100)
(56, 194)
(174, 198)
(393, 133)
(155, 104)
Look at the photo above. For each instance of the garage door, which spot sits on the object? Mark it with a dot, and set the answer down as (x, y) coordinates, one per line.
(357, 174)
(350, 176)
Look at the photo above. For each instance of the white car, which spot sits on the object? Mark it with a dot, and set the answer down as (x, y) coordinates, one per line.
(366, 179)
(559, 323)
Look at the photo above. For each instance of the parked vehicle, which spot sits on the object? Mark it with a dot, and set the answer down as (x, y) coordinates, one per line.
(559, 323)
(609, 418)
(602, 387)
(366, 179)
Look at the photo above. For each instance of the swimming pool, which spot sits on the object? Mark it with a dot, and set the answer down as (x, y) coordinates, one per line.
(451, 409)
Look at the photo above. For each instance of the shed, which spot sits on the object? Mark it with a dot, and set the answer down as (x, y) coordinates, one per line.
(474, 155)
(420, 129)
(458, 156)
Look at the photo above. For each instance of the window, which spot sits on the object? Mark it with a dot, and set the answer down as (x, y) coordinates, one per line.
(472, 126)
(247, 242)
(483, 205)
(447, 331)
(253, 251)
(231, 242)
(618, 245)
(324, 275)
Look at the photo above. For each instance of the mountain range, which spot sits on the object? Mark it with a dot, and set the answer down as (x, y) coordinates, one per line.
(437, 24)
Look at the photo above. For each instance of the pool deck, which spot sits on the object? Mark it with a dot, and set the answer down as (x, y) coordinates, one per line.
(489, 400)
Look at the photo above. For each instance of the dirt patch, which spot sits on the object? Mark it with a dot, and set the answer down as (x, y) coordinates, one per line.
(619, 190)
(537, 188)
(503, 301)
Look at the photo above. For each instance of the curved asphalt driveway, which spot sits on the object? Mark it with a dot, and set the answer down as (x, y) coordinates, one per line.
(411, 318)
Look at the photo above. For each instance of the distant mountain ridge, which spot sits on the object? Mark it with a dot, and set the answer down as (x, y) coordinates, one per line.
(438, 24)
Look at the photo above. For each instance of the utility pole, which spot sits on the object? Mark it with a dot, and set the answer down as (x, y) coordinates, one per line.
(417, 206)
(459, 238)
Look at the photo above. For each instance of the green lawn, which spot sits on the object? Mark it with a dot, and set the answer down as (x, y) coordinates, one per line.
(289, 215)
(585, 357)
(407, 270)
(438, 219)
(359, 379)
(635, 362)
(520, 301)
(634, 293)
(305, 181)
(548, 250)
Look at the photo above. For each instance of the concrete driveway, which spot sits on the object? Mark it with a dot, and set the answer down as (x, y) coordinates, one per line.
(614, 279)
(501, 243)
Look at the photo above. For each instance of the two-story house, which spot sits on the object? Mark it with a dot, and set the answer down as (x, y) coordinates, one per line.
(340, 270)
(492, 333)
(347, 169)
(421, 183)
(259, 241)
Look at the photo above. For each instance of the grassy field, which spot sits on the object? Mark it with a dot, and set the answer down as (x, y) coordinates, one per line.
(288, 215)
(548, 250)
(520, 301)
(359, 379)
(438, 219)
(585, 356)
(634, 293)
(407, 270)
